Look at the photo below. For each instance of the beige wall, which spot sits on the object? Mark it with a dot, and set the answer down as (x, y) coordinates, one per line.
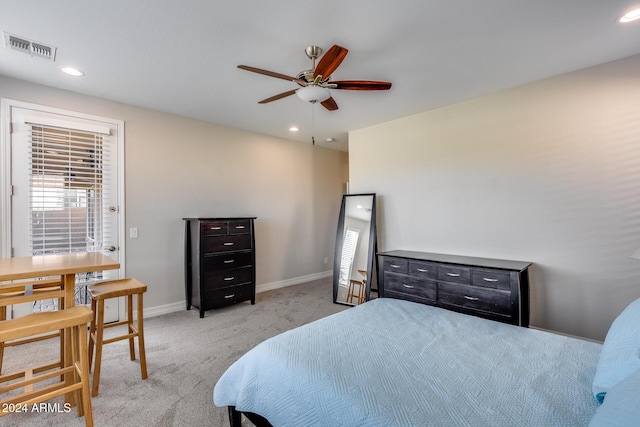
(548, 173)
(177, 167)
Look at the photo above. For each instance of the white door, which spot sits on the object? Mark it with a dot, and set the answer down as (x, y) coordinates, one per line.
(65, 194)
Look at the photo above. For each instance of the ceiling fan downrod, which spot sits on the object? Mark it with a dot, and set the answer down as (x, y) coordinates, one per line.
(313, 53)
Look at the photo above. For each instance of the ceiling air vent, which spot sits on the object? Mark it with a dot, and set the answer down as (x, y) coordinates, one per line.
(32, 48)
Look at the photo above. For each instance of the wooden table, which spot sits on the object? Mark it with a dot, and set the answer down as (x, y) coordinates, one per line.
(64, 265)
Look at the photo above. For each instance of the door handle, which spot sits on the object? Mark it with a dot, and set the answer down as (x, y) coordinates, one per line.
(111, 248)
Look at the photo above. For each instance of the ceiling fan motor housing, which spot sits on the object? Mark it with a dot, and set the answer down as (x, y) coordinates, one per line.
(306, 75)
(313, 53)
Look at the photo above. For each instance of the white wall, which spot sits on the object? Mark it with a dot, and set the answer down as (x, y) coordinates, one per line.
(177, 167)
(548, 173)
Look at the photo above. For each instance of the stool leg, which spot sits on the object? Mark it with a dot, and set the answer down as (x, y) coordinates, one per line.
(92, 332)
(132, 351)
(350, 293)
(62, 335)
(98, 340)
(68, 361)
(3, 316)
(143, 357)
(84, 369)
(75, 357)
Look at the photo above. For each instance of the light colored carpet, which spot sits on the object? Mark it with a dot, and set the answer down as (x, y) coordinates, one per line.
(185, 357)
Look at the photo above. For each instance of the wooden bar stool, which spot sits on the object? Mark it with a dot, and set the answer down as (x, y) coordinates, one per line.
(114, 289)
(74, 370)
(359, 296)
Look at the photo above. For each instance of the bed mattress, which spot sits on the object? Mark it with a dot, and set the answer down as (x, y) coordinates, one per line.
(390, 362)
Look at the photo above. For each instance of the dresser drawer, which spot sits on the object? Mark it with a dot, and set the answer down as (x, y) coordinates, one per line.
(240, 226)
(221, 297)
(489, 300)
(425, 270)
(454, 274)
(495, 279)
(214, 228)
(233, 242)
(396, 265)
(408, 285)
(227, 261)
(222, 228)
(225, 278)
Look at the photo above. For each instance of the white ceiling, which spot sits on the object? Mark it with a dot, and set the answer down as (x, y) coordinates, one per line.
(180, 57)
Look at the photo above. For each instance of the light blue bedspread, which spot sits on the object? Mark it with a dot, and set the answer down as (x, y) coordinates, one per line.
(395, 363)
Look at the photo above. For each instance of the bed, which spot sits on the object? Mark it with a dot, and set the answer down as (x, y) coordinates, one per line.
(391, 362)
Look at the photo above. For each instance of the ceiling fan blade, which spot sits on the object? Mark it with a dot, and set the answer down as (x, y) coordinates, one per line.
(330, 104)
(278, 96)
(272, 74)
(330, 61)
(360, 85)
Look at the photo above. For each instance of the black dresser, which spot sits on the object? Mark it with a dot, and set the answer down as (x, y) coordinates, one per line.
(220, 261)
(490, 288)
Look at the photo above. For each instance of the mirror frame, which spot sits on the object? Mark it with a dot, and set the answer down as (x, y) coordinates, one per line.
(371, 250)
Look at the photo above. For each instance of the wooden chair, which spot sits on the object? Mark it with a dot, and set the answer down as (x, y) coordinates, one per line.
(114, 289)
(30, 291)
(74, 372)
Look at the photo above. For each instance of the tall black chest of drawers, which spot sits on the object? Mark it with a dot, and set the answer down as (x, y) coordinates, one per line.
(220, 261)
(490, 288)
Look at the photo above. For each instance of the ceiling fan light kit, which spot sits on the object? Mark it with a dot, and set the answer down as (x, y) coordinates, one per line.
(313, 94)
(316, 81)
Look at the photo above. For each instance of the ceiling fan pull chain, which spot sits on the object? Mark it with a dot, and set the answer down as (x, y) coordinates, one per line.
(313, 124)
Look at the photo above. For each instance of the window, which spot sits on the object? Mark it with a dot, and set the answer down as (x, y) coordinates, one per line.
(66, 190)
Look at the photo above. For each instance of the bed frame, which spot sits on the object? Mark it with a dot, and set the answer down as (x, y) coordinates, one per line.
(235, 418)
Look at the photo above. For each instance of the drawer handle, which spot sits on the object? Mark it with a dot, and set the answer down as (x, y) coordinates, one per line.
(229, 296)
(240, 226)
(228, 243)
(488, 279)
(215, 228)
(471, 298)
(229, 278)
(394, 266)
(407, 286)
(453, 274)
(422, 270)
(229, 261)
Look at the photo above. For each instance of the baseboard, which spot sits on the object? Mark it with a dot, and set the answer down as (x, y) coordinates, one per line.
(290, 282)
(164, 309)
(263, 287)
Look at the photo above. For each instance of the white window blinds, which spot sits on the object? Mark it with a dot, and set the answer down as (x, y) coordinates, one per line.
(67, 186)
(348, 252)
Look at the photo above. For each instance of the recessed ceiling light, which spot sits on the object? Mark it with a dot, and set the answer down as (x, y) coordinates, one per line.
(632, 15)
(330, 139)
(293, 129)
(72, 71)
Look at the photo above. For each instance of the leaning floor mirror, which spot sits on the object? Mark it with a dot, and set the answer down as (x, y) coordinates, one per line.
(356, 245)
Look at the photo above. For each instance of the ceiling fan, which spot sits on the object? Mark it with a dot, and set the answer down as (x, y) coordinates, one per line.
(316, 81)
